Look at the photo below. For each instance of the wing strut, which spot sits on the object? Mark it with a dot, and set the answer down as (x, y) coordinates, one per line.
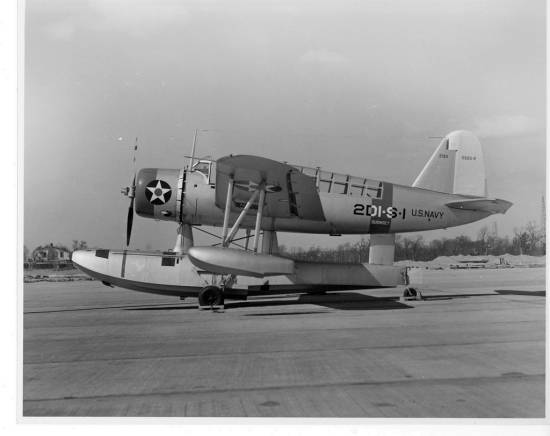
(235, 227)
(259, 217)
(228, 235)
(227, 209)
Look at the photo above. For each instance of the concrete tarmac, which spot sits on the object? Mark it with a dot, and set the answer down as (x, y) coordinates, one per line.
(475, 347)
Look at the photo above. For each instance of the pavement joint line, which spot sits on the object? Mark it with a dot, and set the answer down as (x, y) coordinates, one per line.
(304, 331)
(431, 381)
(316, 350)
(79, 309)
(420, 304)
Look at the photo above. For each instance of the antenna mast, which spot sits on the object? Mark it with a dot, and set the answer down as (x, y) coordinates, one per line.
(135, 152)
(192, 159)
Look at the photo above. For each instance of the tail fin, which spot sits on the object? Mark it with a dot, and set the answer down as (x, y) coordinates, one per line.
(456, 166)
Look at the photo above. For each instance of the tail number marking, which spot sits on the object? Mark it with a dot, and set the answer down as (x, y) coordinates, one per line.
(375, 211)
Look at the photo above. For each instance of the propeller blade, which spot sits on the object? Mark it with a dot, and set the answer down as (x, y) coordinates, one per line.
(129, 222)
(130, 219)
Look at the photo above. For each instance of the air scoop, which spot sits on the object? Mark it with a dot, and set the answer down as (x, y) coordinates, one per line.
(232, 261)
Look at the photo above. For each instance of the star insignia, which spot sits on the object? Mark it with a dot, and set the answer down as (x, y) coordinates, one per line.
(158, 192)
(251, 186)
(247, 186)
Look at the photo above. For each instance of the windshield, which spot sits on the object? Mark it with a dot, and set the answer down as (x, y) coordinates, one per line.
(207, 168)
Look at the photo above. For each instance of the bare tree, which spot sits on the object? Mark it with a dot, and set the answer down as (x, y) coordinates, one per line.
(416, 245)
(520, 240)
(534, 237)
(79, 245)
(482, 238)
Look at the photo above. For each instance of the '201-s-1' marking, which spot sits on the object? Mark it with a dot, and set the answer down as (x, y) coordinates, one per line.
(374, 211)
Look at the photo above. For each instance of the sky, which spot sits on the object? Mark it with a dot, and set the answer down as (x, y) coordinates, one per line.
(357, 87)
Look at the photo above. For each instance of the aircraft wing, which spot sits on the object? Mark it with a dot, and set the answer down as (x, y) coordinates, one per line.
(289, 193)
(482, 205)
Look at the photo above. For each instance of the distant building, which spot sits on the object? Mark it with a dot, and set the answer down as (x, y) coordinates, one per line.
(471, 263)
(48, 253)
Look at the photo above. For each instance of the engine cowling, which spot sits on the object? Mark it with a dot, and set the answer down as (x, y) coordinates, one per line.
(159, 193)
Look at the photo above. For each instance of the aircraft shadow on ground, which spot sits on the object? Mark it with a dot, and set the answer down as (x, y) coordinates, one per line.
(445, 296)
(338, 301)
(496, 293)
(525, 293)
(171, 307)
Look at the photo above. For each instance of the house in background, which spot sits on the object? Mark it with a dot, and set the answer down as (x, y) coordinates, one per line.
(50, 256)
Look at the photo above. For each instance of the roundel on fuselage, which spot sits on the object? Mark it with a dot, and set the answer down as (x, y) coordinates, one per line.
(158, 192)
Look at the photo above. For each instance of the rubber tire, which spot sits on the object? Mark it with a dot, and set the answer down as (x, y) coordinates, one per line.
(210, 296)
(410, 292)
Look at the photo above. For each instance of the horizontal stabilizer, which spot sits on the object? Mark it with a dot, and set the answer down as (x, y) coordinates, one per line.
(482, 205)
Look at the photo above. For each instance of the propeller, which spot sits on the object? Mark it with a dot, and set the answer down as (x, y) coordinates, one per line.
(130, 192)
(130, 219)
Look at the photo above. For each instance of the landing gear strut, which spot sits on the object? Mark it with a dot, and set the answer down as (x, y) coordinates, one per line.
(211, 297)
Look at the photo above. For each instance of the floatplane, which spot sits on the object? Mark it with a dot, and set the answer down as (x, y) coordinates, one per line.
(263, 197)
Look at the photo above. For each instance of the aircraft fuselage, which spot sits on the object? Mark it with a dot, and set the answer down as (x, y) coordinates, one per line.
(386, 208)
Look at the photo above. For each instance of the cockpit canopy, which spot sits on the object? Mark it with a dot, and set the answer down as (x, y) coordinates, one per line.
(207, 168)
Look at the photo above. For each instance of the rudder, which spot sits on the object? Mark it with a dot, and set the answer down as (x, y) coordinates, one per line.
(455, 167)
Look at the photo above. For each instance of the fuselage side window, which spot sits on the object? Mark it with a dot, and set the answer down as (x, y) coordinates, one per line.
(312, 172)
(340, 178)
(339, 188)
(356, 190)
(373, 189)
(324, 185)
(325, 181)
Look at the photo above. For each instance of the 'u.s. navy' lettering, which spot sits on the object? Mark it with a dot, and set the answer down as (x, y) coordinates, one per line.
(427, 213)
